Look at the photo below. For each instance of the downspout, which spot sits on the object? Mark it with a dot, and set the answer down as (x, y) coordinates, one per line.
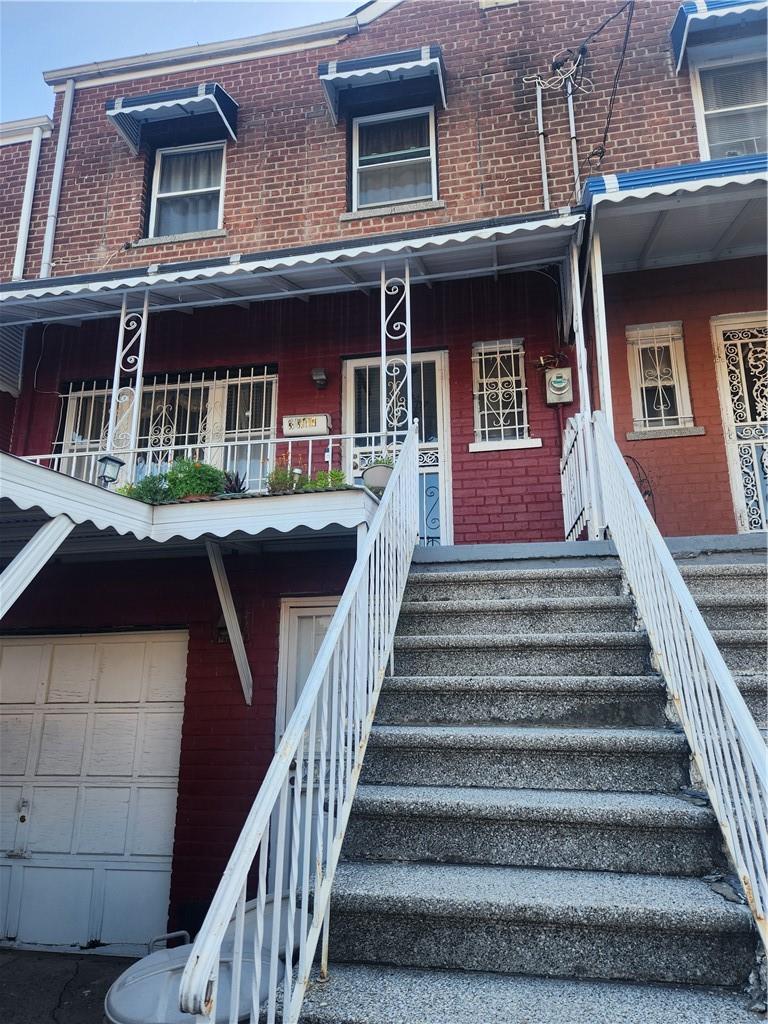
(574, 147)
(26, 206)
(58, 175)
(542, 147)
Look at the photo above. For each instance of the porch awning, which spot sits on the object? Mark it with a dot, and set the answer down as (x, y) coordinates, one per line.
(410, 77)
(479, 249)
(671, 216)
(198, 113)
(696, 18)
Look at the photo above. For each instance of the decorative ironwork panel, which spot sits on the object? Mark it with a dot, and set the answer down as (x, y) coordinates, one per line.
(746, 363)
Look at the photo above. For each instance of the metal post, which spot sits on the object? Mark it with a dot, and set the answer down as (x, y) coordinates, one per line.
(396, 328)
(383, 363)
(30, 560)
(125, 406)
(601, 328)
(408, 361)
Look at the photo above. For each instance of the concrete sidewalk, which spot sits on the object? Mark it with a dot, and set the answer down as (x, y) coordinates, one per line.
(55, 988)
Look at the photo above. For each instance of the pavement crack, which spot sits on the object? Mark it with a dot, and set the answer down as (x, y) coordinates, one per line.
(65, 986)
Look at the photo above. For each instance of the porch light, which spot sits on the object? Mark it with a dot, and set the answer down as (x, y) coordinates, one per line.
(110, 469)
(320, 378)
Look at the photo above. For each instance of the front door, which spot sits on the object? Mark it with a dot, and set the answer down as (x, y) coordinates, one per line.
(741, 355)
(362, 415)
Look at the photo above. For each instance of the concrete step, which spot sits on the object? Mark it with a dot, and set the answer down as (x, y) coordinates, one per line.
(599, 654)
(503, 584)
(734, 611)
(620, 759)
(754, 690)
(577, 924)
(361, 994)
(629, 832)
(744, 650)
(516, 616)
(715, 579)
(545, 700)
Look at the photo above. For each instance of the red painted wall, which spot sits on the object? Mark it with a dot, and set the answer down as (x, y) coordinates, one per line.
(498, 496)
(226, 745)
(689, 475)
(7, 413)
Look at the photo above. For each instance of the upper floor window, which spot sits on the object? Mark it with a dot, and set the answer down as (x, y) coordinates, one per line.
(394, 158)
(660, 396)
(733, 108)
(187, 190)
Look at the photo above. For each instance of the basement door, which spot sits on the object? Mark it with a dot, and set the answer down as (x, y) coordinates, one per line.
(362, 414)
(741, 357)
(90, 731)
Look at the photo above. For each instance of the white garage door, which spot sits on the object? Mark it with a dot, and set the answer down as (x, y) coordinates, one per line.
(90, 730)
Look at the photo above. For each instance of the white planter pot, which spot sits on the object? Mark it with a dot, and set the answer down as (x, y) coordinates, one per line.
(376, 478)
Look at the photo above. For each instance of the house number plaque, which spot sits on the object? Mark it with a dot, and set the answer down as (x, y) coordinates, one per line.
(306, 425)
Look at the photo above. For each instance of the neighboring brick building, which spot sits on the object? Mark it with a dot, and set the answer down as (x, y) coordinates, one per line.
(256, 194)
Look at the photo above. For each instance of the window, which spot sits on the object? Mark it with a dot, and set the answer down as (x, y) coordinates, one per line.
(187, 190)
(393, 158)
(660, 398)
(733, 108)
(501, 411)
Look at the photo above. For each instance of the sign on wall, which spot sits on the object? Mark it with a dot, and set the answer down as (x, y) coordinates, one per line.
(306, 425)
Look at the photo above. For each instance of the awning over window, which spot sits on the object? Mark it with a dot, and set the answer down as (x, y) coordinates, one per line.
(697, 17)
(198, 113)
(411, 77)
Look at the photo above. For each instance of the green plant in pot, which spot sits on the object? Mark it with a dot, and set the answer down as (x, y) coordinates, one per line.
(190, 479)
(376, 476)
(152, 489)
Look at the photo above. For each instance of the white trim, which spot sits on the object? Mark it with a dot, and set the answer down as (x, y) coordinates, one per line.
(641, 336)
(504, 446)
(719, 324)
(740, 52)
(174, 151)
(17, 576)
(394, 115)
(230, 618)
(14, 133)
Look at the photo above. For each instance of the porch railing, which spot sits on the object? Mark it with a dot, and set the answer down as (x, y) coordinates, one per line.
(300, 814)
(724, 739)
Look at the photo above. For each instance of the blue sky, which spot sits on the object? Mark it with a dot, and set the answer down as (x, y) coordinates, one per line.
(38, 35)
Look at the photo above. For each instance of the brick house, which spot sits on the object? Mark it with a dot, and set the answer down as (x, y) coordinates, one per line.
(204, 253)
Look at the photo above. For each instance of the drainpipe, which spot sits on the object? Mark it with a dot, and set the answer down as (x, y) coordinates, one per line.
(58, 174)
(574, 147)
(26, 206)
(542, 147)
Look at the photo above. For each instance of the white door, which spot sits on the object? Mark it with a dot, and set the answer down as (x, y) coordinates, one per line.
(741, 356)
(90, 732)
(362, 415)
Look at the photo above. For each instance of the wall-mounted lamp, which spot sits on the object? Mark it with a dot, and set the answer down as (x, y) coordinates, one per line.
(320, 378)
(110, 469)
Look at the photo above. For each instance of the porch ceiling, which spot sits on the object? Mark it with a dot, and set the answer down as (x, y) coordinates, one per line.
(482, 249)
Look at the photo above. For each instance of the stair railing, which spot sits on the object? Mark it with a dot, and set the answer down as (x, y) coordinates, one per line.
(727, 748)
(300, 813)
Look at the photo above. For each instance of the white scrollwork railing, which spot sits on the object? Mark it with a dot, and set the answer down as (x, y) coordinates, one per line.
(724, 739)
(300, 814)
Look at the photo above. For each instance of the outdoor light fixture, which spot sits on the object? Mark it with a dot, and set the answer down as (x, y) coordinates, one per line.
(320, 377)
(110, 469)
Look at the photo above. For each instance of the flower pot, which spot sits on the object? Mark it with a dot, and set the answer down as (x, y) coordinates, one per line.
(376, 477)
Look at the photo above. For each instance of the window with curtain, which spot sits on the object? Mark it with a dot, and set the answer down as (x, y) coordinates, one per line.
(187, 190)
(735, 102)
(657, 373)
(394, 158)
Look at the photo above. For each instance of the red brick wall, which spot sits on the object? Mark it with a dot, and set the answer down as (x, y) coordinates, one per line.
(506, 495)
(226, 745)
(286, 176)
(13, 173)
(689, 475)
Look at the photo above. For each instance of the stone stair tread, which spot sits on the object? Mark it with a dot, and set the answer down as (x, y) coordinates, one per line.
(579, 641)
(359, 994)
(605, 738)
(501, 684)
(714, 600)
(503, 575)
(738, 636)
(518, 604)
(641, 810)
(740, 570)
(571, 898)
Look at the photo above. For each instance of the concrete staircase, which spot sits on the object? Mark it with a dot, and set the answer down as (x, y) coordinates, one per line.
(524, 844)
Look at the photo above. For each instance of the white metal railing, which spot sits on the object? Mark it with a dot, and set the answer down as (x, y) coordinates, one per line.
(252, 459)
(579, 480)
(300, 814)
(724, 739)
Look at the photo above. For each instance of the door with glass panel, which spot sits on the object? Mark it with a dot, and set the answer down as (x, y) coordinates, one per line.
(362, 416)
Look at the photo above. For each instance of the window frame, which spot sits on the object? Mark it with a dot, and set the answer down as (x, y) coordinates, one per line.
(635, 345)
(481, 444)
(173, 151)
(707, 58)
(393, 115)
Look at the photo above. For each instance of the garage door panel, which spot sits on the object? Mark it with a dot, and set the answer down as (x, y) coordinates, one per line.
(161, 744)
(120, 672)
(52, 819)
(15, 739)
(67, 889)
(135, 901)
(5, 897)
(62, 744)
(21, 668)
(71, 674)
(154, 822)
(166, 670)
(9, 815)
(113, 744)
(104, 820)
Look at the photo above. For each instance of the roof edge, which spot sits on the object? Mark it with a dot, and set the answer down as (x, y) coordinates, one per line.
(21, 130)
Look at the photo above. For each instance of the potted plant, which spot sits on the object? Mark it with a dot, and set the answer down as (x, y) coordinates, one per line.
(188, 479)
(376, 475)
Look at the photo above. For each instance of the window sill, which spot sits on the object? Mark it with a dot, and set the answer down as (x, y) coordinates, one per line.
(504, 446)
(390, 211)
(168, 239)
(652, 434)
